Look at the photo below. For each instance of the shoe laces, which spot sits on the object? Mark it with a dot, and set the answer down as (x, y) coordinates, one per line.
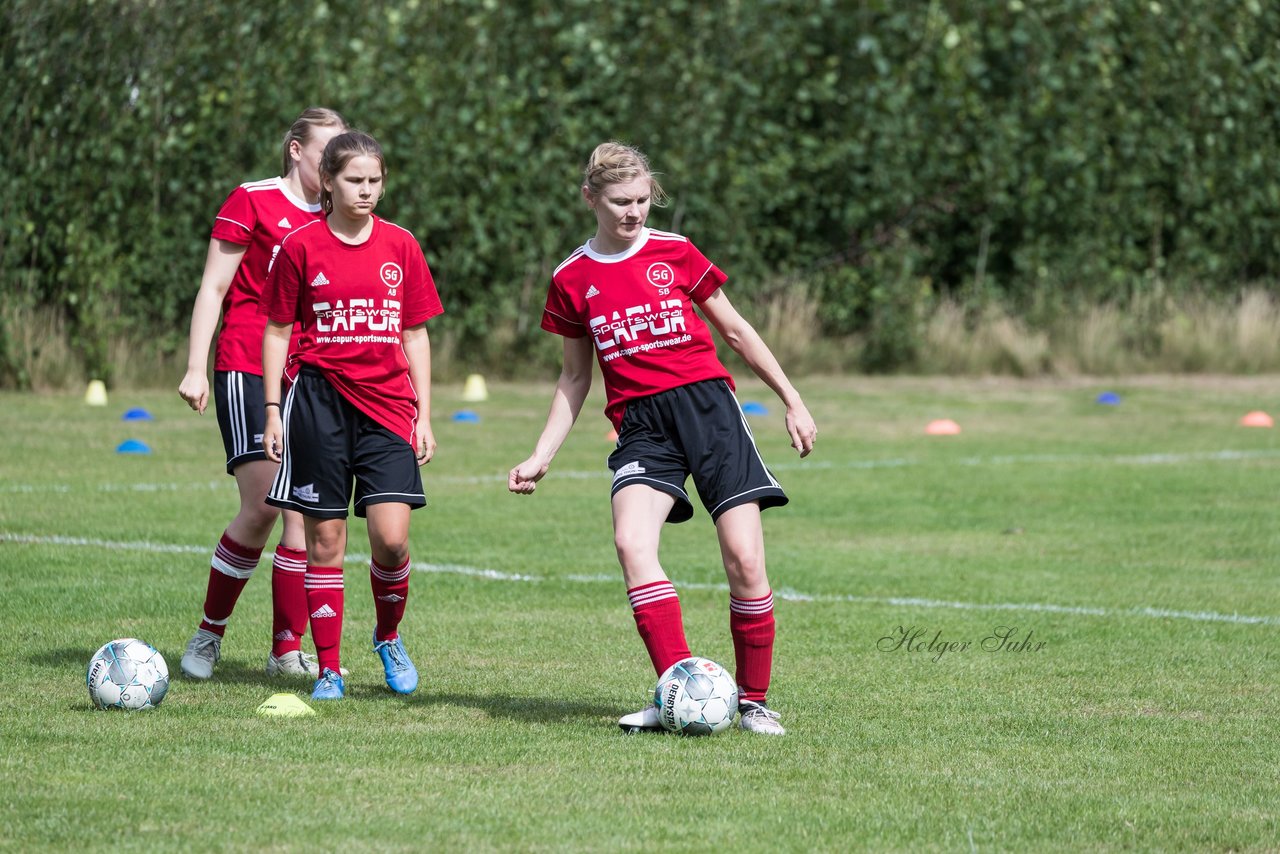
(396, 652)
(329, 678)
(206, 646)
(308, 661)
(755, 710)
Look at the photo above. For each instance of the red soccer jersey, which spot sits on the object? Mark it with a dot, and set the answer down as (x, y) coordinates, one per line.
(638, 308)
(257, 215)
(353, 302)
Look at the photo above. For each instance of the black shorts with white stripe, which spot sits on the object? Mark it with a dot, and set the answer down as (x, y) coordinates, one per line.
(333, 451)
(693, 430)
(241, 407)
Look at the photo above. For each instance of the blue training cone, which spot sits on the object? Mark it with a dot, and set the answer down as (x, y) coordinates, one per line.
(753, 408)
(137, 414)
(466, 416)
(1108, 398)
(132, 446)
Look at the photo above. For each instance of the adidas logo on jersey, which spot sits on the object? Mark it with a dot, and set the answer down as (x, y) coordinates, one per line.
(391, 597)
(306, 493)
(284, 223)
(322, 612)
(319, 280)
(592, 291)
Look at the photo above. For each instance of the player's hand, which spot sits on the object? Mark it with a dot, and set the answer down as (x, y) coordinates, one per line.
(426, 447)
(194, 389)
(523, 479)
(803, 430)
(273, 435)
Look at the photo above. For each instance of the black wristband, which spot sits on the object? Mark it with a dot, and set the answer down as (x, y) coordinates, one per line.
(273, 403)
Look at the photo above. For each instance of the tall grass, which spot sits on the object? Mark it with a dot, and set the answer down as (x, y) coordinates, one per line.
(1148, 332)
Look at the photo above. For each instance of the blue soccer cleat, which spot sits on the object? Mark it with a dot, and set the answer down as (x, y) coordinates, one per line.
(329, 686)
(402, 676)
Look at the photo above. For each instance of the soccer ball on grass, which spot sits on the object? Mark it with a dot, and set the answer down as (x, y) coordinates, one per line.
(696, 696)
(127, 674)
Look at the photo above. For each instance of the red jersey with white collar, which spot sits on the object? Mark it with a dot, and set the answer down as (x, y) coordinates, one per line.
(353, 302)
(256, 215)
(637, 306)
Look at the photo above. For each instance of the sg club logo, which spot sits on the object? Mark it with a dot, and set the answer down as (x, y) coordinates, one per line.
(661, 276)
(392, 276)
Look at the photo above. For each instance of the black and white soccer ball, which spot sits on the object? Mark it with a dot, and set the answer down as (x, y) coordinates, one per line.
(696, 696)
(127, 674)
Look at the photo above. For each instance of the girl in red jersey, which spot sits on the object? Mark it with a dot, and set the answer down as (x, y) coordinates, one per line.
(358, 407)
(628, 294)
(246, 234)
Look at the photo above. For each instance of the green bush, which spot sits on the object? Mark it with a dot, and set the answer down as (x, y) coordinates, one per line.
(885, 154)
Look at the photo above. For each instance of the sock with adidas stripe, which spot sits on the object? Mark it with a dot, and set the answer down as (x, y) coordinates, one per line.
(324, 600)
(751, 624)
(288, 600)
(229, 571)
(656, 609)
(390, 591)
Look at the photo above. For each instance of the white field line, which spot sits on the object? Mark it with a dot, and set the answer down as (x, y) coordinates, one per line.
(786, 594)
(1223, 456)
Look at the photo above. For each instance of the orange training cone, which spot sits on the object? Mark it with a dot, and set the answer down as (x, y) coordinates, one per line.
(942, 427)
(1257, 419)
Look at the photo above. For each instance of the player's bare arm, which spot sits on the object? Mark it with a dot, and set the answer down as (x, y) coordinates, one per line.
(571, 391)
(275, 348)
(220, 267)
(747, 343)
(417, 348)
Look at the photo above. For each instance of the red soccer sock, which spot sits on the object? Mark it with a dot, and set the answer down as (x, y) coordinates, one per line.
(390, 591)
(288, 600)
(656, 608)
(751, 624)
(324, 600)
(229, 571)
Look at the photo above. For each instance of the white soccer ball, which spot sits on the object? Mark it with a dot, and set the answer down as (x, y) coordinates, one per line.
(127, 674)
(696, 696)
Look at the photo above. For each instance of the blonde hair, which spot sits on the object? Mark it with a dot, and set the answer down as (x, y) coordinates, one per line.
(617, 163)
(340, 151)
(300, 131)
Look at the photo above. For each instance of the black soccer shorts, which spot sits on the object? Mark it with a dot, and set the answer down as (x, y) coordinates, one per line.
(693, 430)
(238, 400)
(330, 446)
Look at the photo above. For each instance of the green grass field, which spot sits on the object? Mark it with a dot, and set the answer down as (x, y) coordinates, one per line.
(1138, 545)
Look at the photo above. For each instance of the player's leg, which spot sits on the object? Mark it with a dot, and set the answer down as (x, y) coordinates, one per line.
(735, 486)
(238, 402)
(326, 550)
(751, 620)
(289, 602)
(639, 511)
(389, 570)
(314, 479)
(388, 488)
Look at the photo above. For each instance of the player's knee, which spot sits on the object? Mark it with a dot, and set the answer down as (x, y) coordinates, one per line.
(745, 565)
(326, 544)
(633, 546)
(393, 553)
(258, 519)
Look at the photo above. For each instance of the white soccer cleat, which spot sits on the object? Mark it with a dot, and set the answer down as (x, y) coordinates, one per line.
(203, 651)
(756, 717)
(645, 720)
(296, 663)
(293, 663)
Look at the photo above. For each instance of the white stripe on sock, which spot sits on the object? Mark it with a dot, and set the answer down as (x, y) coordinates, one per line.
(649, 595)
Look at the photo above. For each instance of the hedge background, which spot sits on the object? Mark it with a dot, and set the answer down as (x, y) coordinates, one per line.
(877, 154)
